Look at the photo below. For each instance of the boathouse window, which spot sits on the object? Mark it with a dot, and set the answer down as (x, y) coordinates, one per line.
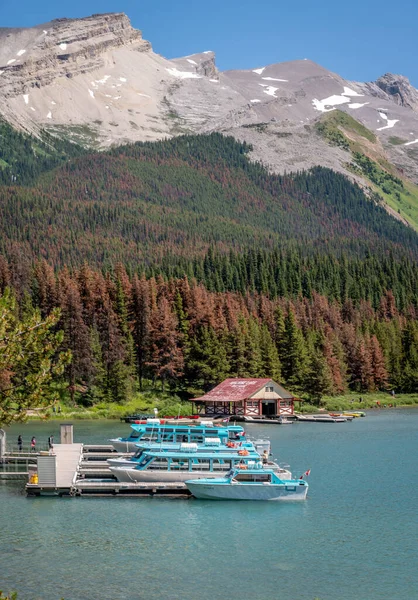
(269, 388)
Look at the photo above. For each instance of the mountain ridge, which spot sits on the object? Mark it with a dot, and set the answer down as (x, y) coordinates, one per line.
(96, 82)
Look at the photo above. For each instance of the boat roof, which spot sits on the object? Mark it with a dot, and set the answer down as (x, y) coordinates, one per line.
(217, 428)
(209, 454)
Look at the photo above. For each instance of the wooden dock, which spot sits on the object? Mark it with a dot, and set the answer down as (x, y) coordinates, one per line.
(77, 470)
(7, 475)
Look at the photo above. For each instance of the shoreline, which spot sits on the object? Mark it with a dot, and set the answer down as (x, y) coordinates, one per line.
(93, 416)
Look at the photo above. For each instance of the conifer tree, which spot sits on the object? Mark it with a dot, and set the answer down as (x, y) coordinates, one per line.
(270, 363)
(207, 362)
(140, 310)
(294, 357)
(76, 334)
(166, 359)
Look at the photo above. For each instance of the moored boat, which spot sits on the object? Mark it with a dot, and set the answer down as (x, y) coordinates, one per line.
(251, 484)
(210, 445)
(153, 431)
(181, 466)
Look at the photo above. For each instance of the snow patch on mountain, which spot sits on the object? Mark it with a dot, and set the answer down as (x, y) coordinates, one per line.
(330, 103)
(349, 92)
(274, 79)
(390, 122)
(183, 74)
(356, 105)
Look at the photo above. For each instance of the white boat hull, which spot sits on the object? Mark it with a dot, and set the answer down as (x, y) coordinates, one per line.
(125, 447)
(128, 475)
(242, 491)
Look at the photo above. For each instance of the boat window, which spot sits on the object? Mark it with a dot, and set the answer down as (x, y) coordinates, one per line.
(219, 464)
(256, 478)
(178, 464)
(145, 461)
(201, 464)
(135, 434)
(159, 464)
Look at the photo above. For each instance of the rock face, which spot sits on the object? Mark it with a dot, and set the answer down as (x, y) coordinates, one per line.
(62, 48)
(401, 90)
(98, 82)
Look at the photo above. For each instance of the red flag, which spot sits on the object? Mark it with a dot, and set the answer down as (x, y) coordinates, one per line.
(307, 473)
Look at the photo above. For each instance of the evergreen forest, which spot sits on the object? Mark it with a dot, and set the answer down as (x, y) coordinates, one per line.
(182, 262)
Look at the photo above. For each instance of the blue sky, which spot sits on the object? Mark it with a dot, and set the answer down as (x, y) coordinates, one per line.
(359, 39)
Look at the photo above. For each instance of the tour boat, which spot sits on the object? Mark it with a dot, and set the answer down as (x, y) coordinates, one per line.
(250, 484)
(181, 466)
(209, 445)
(153, 431)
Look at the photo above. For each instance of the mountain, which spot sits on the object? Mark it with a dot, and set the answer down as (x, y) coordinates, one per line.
(97, 82)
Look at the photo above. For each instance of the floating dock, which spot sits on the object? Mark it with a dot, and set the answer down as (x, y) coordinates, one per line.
(79, 470)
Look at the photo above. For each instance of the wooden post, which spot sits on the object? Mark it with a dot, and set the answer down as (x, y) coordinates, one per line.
(2, 443)
(66, 433)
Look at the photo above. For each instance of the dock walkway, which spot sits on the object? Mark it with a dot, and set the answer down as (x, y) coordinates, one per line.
(68, 459)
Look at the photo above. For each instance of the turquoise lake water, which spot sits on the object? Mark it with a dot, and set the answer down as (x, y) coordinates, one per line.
(355, 538)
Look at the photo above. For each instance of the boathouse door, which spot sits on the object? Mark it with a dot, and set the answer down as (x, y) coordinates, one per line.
(268, 408)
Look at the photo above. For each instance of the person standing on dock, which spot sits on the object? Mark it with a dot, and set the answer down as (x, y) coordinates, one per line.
(33, 444)
(51, 444)
(19, 443)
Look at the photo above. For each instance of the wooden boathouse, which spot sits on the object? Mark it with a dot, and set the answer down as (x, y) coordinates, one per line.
(246, 397)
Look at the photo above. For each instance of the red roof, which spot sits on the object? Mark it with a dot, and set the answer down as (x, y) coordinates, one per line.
(234, 390)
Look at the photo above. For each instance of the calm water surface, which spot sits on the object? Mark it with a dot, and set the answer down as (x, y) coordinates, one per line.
(355, 538)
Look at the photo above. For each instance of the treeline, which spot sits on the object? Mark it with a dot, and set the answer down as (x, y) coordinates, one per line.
(124, 329)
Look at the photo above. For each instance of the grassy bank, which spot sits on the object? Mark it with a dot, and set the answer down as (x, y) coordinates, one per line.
(356, 401)
(141, 403)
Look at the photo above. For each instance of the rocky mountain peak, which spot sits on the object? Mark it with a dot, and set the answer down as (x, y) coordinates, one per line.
(400, 88)
(35, 57)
